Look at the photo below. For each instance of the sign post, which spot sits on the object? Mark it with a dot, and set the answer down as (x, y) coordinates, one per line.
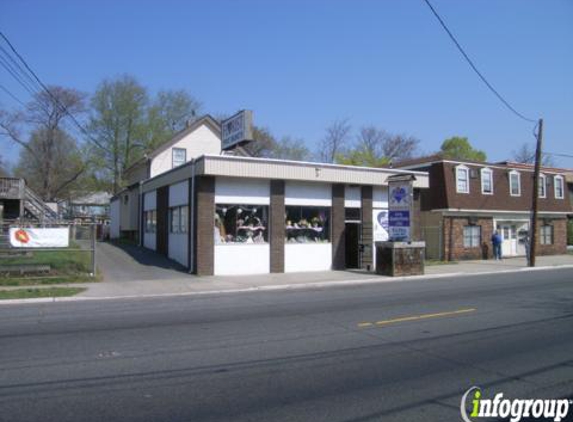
(400, 255)
(400, 207)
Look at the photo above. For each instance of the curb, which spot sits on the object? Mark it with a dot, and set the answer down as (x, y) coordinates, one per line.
(285, 287)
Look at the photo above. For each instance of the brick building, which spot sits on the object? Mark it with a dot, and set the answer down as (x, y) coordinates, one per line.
(467, 201)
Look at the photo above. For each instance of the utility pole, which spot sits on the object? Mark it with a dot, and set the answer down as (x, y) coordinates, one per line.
(535, 196)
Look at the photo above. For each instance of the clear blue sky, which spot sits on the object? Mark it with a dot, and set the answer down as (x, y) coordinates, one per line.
(301, 64)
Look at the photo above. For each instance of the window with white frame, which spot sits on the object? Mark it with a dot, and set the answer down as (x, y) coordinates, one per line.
(487, 181)
(179, 156)
(472, 236)
(546, 235)
(462, 179)
(542, 186)
(178, 219)
(559, 187)
(514, 183)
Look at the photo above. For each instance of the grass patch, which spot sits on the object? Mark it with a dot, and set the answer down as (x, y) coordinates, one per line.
(48, 280)
(34, 293)
(63, 261)
(431, 262)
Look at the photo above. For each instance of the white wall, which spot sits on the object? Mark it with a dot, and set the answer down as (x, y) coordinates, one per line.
(242, 259)
(179, 194)
(352, 197)
(380, 197)
(308, 193)
(230, 190)
(150, 241)
(150, 201)
(308, 257)
(178, 247)
(199, 142)
(178, 242)
(115, 218)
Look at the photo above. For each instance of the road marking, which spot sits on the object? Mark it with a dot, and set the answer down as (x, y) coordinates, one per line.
(415, 318)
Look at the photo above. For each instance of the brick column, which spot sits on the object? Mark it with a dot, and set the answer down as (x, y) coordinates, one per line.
(277, 226)
(205, 225)
(338, 238)
(162, 231)
(367, 227)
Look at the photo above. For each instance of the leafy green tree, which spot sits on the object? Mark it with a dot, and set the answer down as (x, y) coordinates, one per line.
(291, 149)
(459, 148)
(169, 113)
(118, 124)
(570, 232)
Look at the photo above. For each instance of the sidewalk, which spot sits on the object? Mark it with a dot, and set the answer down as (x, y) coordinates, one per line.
(169, 280)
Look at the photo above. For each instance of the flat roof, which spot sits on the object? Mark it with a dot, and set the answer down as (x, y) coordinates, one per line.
(269, 168)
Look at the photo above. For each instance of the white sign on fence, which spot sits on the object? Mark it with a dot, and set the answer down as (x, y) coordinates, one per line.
(40, 237)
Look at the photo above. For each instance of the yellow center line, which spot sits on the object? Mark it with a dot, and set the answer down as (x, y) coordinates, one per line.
(416, 317)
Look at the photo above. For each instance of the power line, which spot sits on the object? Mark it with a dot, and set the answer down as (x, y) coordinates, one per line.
(556, 154)
(3, 88)
(473, 66)
(54, 98)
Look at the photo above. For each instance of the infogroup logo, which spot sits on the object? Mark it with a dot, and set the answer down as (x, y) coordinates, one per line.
(515, 409)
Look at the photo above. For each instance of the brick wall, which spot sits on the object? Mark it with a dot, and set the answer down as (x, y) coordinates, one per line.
(277, 226)
(559, 245)
(367, 228)
(338, 238)
(205, 224)
(454, 238)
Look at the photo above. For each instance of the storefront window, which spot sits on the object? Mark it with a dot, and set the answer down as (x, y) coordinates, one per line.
(307, 224)
(150, 218)
(241, 224)
(178, 218)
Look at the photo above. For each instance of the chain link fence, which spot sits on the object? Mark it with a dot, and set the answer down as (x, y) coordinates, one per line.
(66, 250)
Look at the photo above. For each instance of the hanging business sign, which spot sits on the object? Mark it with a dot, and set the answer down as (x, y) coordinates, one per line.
(237, 129)
(400, 201)
(40, 237)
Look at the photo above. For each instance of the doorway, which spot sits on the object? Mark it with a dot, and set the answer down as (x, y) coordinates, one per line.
(352, 245)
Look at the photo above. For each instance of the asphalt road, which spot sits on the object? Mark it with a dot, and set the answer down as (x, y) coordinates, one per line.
(390, 352)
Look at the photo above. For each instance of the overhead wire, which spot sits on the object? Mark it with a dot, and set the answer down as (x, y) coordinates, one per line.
(56, 101)
(474, 67)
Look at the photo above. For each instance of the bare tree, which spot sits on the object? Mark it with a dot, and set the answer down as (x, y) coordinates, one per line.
(526, 154)
(335, 140)
(399, 147)
(375, 148)
(49, 143)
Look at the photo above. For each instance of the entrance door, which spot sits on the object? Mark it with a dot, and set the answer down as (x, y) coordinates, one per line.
(509, 237)
(352, 240)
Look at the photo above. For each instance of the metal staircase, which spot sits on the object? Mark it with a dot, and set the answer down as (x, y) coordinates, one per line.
(37, 209)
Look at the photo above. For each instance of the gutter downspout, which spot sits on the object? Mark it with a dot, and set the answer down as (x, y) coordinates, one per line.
(140, 214)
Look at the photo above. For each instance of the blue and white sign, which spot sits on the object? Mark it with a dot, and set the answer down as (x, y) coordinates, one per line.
(237, 129)
(400, 200)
